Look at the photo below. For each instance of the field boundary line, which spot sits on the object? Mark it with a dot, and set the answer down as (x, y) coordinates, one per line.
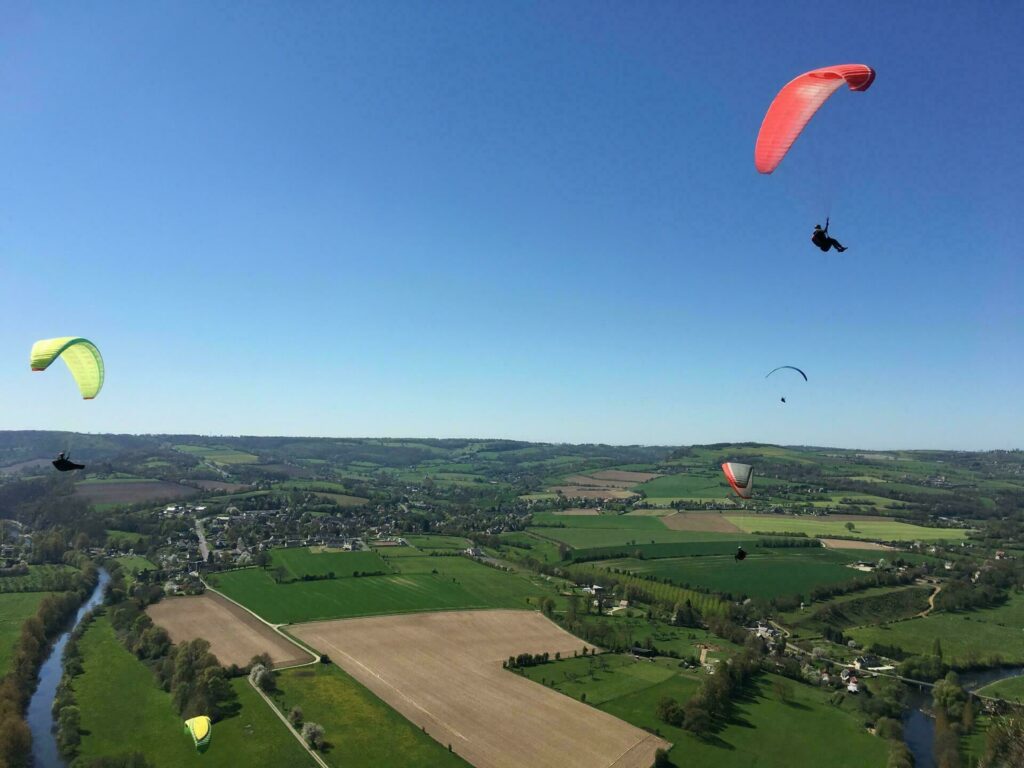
(288, 725)
(275, 627)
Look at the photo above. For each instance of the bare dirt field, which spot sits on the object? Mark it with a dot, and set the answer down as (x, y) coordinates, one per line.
(590, 492)
(122, 492)
(700, 521)
(634, 478)
(234, 634)
(577, 511)
(443, 672)
(847, 544)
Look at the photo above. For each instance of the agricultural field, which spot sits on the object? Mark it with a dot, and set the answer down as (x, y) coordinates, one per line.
(220, 485)
(123, 711)
(109, 493)
(418, 583)
(766, 573)
(40, 578)
(132, 565)
(301, 561)
(119, 539)
(628, 629)
(863, 608)
(701, 486)
(15, 607)
(361, 730)
(984, 636)
(235, 635)
(218, 454)
(881, 529)
(700, 521)
(585, 532)
(443, 671)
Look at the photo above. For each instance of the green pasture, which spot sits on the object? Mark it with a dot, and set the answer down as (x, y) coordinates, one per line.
(630, 630)
(301, 561)
(990, 636)
(15, 607)
(766, 573)
(428, 542)
(866, 528)
(1011, 689)
(603, 677)
(131, 538)
(218, 454)
(40, 578)
(421, 583)
(361, 730)
(589, 531)
(123, 711)
(870, 606)
(726, 545)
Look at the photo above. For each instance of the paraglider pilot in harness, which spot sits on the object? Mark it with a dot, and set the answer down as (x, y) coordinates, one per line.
(820, 238)
(64, 464)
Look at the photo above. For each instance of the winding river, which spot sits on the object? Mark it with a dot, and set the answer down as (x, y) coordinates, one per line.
(919, 728)
(40, 707)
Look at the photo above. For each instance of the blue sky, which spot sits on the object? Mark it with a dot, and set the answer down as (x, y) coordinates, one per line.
(524, 220)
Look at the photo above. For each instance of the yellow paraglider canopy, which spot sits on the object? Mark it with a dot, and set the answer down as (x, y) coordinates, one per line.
(82, 357)
(200, 728)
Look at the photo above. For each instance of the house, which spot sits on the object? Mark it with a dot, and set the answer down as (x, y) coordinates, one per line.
(845, 675)
(853, 686)
(647, 653)
(474, 552)
(868, 661)
(826, 679)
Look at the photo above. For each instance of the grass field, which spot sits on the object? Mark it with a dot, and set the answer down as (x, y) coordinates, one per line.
(40, 578)
(218, 455)
(867, 528)
(429, 542)
(415, 586)
(300, 561)
(588, 531)
(14, 609)
(131, 538)
(807, 732)
(1011, 689)
(968, 637)
(132, 565)
(124, 711)
(363, 731)
(872, 606)
(765, 573)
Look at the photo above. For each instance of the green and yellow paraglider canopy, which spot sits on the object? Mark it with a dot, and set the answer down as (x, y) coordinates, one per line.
(82, 357)
(201, 730)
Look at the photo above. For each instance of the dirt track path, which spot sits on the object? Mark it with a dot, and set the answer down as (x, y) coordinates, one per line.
(931, 601)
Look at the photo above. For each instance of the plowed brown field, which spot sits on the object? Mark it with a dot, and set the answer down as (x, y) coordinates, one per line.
(443, 672)
(234, 634)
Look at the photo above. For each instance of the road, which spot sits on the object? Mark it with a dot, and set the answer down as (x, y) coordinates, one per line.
(204, 550)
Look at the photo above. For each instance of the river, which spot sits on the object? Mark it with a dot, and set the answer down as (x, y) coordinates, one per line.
(40, 707)
(919, 728)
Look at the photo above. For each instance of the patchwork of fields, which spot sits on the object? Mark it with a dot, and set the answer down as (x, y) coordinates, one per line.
(443, 671)
(867, 527)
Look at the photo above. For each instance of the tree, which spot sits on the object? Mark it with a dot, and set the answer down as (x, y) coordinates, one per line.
(295, 717)
(1004, 743)
(661, 759)
(313, 734)
(937, 648)
(783, 690)
(849, 526)
(279, 574)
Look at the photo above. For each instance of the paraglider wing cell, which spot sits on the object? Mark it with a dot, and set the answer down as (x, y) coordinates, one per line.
(201, 730)
(796, 104)
(81, 356)
(740, 477)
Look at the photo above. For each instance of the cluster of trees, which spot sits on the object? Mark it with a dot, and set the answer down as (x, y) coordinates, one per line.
(711, 706)
(530, 660)
(954, 718)
(644, 589)
(1004, 742)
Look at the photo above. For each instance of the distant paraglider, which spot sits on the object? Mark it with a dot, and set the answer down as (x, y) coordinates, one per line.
(790, 367)
(795, 105)
(201, 730)
(81, 356)
(741, 554)
(740, 477)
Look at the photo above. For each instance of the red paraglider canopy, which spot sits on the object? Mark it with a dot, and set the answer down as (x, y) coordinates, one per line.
(796, 104)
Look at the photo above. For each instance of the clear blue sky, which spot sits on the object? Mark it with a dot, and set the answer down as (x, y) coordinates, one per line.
(524, 220)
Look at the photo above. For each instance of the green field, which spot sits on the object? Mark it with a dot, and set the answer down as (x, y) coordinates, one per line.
(123, 710)
(870, 606)
(589, 531)
(868, 529)
(693, 486)
(766, 573)
(40, 578)
(363, 731)
(414, 586)
(987, 636)
(428, 542)
(1011, 689)
(130, 538)
(300, 561)
(630, 630)
(218, 455)
(14, 609)
(807, 732)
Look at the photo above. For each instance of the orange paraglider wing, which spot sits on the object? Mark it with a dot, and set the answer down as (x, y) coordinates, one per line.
(796, 104)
